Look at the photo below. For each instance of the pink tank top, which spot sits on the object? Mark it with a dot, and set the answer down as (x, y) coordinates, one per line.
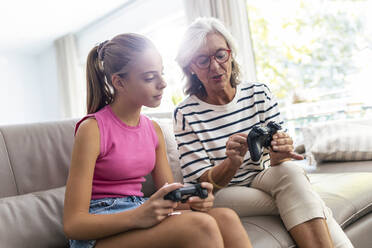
(127, 154)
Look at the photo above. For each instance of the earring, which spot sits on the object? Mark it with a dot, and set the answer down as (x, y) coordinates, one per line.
(192, 73)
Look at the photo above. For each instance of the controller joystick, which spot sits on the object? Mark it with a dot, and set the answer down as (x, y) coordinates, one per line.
(260, 137)
(182, 194)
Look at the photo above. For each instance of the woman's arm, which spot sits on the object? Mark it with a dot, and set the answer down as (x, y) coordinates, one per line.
(195, 162)
(221, 174)
(163, 174)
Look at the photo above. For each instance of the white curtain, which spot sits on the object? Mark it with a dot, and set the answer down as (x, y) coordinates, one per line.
(233, 13)
(70, 79)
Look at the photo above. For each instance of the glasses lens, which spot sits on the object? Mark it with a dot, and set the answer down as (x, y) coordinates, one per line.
(202, 61)
(222, 56)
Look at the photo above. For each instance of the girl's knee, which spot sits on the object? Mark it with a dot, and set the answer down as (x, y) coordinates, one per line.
(225, 215)
(203, 229)
(203, 222)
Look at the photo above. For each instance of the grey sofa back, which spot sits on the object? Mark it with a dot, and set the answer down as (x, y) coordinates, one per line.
(34, 163)
(34, 157)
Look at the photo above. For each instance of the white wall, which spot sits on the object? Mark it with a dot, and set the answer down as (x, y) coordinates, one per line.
(20, 98)
(49, 85)
(29, 87)
(133, 18)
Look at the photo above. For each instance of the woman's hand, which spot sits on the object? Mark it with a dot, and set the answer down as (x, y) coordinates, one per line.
(236, 148)
(202, 205)
(156, 209)
(282, 149)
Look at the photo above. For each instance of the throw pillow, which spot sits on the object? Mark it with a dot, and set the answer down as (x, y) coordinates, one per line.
(33, 220)
(166, 126)
(338, 141)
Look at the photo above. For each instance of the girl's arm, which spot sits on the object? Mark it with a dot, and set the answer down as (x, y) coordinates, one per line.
(162, 172)
(78, 223)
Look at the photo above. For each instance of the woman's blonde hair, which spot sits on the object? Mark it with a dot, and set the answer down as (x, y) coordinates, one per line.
(109, 58)
(195, 37)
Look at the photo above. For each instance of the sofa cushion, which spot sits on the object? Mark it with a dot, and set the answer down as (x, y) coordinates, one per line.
(339, 141)
(267, 231)
(166, 126)
(349, 195)
(33, 220)
(360, 232)
(39, 154)
(8, 184)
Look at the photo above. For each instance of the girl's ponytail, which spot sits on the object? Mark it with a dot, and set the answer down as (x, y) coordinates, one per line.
(99, 93)
(109, 58)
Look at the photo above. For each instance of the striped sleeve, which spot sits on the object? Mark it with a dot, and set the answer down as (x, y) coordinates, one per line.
(194, 160)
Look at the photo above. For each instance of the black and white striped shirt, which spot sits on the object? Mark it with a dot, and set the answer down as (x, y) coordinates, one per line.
(202, 129)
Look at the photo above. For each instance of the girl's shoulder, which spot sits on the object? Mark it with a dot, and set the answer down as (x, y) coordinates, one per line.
(88, 121)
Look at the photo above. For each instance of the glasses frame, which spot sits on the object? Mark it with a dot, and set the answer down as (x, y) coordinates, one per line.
(210, 59)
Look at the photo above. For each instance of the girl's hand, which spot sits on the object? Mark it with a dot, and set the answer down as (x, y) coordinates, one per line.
(156, 209)
(282, 149)
(236, 148)
(202, 205)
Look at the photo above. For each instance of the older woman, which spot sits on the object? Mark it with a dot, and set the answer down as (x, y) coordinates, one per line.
(211, 127)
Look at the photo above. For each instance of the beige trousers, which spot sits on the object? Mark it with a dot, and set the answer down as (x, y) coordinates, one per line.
(284, 190)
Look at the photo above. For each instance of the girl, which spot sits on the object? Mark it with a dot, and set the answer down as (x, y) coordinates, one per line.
(115, 147)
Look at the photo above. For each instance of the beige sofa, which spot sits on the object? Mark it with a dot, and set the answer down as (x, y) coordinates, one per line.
(34, 161)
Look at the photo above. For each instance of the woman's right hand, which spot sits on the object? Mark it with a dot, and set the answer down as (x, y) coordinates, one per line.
(156, 209)
(236, 148)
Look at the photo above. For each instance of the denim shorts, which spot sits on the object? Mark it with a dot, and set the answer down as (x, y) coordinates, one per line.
(108, 206)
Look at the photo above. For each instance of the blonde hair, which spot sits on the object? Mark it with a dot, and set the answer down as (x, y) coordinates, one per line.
(109, 58)
(195, 37)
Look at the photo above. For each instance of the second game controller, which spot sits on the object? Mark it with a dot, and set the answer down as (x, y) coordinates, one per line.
(260, 137)
(182, 194)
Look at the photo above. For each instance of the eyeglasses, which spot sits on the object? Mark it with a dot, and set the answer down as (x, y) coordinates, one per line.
(204, 61)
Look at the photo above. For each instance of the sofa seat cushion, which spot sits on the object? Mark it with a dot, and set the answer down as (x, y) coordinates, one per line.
(267, 231)
(33, 220)
(349, 195)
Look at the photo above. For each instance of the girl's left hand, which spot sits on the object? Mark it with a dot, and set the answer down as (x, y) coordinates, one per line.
(282, 149)
(202, 205)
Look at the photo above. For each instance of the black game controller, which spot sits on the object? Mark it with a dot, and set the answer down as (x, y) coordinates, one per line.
(182, 194)
(260, 137)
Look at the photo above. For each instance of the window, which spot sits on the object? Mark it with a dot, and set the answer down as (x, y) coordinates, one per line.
(315, 55)
(163, 21)
(167, 35)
